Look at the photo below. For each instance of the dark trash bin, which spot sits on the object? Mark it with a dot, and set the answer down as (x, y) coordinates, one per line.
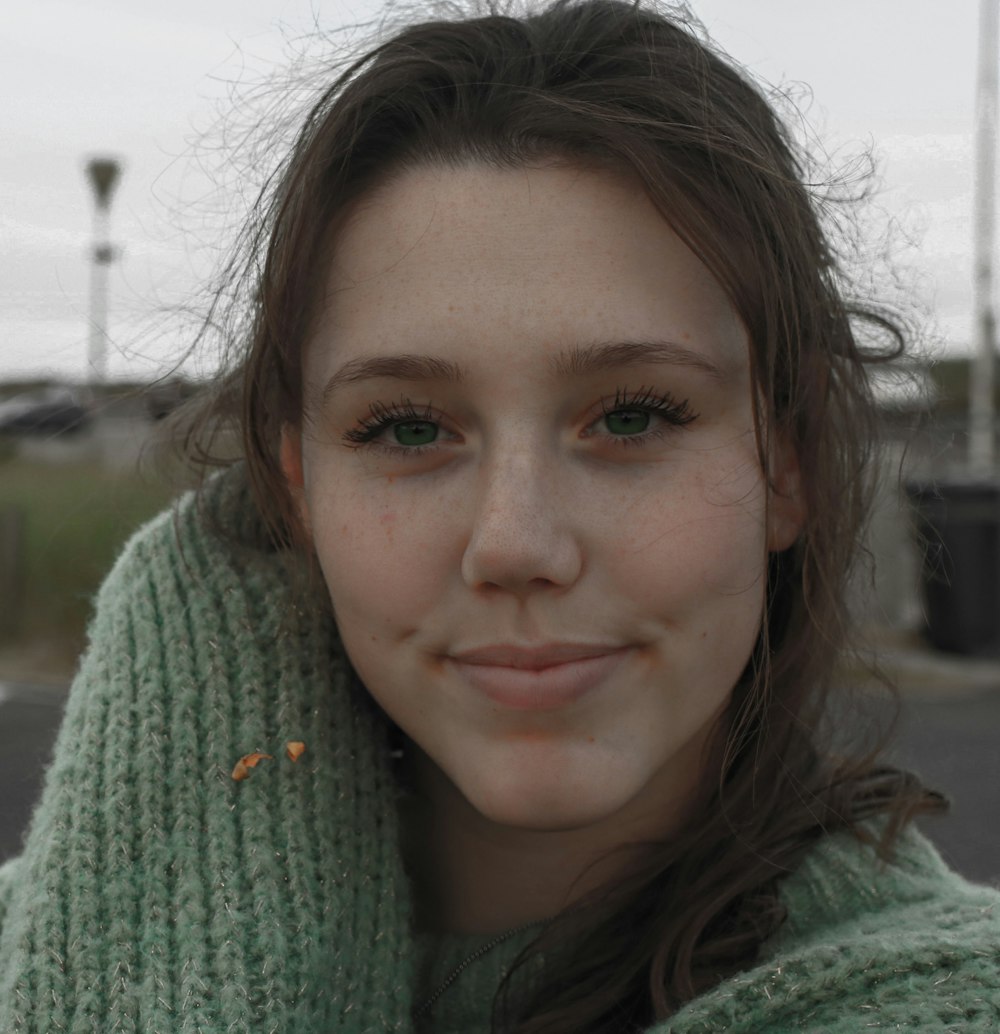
(958, 529)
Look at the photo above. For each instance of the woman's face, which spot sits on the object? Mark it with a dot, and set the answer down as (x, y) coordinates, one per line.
(530, 476)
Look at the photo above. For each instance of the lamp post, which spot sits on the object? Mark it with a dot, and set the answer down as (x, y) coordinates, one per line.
(958, 517)
(981, 430)
(103, 174)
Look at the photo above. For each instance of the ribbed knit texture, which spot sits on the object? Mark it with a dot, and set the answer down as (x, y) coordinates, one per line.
(156, 895)
(907, 947)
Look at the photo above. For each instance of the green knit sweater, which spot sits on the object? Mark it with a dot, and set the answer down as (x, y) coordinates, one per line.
(155, 893)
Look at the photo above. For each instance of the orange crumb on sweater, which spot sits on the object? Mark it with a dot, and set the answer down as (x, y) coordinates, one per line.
(248, 761)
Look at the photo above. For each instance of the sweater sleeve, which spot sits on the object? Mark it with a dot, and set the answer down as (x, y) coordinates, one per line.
(157, 892)
(905, 947)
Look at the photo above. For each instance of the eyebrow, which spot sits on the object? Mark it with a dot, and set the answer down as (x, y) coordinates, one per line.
(586, 359)
(578, 361)
(405, 367)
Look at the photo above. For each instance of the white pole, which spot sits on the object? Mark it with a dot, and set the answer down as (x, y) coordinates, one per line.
(981, 433)
(103, 174)
(100, 262)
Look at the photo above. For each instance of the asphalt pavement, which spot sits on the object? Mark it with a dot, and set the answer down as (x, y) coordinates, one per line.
(29, 721)
(953, 744)
(948, 732)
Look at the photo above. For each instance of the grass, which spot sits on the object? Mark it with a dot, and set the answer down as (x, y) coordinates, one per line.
(76, 518)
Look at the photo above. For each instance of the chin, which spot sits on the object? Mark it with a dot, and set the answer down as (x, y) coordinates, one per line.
(559, 800)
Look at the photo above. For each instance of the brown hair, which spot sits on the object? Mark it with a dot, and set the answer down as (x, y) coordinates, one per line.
(628, 87)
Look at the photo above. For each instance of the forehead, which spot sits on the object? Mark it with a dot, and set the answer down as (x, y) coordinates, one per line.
(551, 256)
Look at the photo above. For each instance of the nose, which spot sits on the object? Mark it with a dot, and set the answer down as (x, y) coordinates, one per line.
(522, 537)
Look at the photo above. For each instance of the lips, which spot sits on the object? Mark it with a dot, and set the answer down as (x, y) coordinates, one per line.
(542, 678)
(533, 657)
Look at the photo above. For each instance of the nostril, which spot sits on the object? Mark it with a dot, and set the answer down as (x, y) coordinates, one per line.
(520, 559)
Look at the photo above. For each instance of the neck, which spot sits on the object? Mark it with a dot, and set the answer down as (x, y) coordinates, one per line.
(472, 875)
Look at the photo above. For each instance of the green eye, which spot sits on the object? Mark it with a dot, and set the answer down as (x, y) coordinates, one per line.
(627, 421)
(415, 432)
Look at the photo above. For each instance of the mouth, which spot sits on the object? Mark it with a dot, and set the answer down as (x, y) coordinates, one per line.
(534, 658)
(541, 678)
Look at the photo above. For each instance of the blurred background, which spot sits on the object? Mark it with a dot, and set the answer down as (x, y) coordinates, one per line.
(124, 173)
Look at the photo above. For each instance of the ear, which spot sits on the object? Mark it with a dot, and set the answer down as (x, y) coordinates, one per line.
(786, 512)
(290, 458)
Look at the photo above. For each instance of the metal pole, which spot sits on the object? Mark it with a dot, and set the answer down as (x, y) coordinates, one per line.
(981, 432)
(100, 262)
(103, 174)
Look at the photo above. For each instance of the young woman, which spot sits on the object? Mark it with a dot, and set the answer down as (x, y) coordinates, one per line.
(485, 692)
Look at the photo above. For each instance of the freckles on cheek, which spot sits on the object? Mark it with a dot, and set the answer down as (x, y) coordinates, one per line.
(681, 560)
(387, 522)
(379, 560)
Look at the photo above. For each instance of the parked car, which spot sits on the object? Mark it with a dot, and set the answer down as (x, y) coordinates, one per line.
(47, 412)
(164, 396)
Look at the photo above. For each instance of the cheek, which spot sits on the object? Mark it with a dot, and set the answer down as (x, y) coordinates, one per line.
(381, 558)
(695, 552)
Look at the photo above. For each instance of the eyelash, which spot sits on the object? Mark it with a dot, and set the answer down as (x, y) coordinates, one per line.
(674, 414)
(381, 417)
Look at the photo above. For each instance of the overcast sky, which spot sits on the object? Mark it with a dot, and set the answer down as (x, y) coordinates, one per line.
(146, 82)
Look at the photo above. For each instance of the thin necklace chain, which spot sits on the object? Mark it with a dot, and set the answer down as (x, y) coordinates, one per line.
(482, 950)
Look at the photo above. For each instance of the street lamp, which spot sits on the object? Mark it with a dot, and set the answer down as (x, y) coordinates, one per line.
(981, 386)
(958, 517)
(103, 174)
